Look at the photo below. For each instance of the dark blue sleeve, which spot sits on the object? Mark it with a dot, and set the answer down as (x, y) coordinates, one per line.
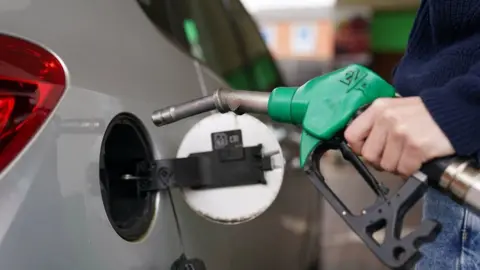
(453, 20)
(455, 107)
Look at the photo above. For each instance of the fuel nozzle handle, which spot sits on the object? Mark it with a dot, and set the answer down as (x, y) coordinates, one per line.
(223, 100)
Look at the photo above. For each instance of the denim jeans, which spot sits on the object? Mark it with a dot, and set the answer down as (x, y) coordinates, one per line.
(458, 244)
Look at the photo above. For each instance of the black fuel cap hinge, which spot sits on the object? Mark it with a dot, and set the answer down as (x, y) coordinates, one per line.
(183, 263)
(229, 164)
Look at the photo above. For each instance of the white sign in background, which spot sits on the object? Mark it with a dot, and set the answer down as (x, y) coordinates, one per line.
(269, 35)
(303, 39)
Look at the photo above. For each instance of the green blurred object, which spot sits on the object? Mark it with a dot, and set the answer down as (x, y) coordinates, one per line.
(191, 32)
(265, 73)
(238, 79)
(263, 70)
(391, 29)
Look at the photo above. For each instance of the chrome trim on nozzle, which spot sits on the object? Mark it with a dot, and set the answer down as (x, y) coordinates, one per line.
(223, 100)
(462, 179)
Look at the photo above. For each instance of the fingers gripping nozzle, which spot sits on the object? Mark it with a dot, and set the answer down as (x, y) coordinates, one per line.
(223, 100)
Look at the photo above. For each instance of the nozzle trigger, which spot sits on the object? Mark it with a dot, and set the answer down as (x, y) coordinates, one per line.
(386, 213)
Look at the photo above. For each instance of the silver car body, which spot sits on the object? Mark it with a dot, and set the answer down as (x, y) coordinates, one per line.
(51, 212)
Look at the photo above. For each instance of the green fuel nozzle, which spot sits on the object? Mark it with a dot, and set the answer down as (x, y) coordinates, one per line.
(322, 106)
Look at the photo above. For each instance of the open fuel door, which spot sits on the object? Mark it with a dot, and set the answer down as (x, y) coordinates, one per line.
(229, 168)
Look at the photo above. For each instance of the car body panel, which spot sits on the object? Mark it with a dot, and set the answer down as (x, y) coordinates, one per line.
(51, 210)
(113, 67)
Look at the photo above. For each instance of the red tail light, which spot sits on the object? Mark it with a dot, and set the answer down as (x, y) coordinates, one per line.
(32, 80)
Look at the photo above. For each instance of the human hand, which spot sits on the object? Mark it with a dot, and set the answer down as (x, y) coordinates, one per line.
(397, 135)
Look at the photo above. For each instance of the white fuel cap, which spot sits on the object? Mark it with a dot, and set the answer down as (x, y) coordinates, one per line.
(234, 205)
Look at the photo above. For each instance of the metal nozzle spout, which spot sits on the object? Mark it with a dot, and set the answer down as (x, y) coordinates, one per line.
(174, 113)
(223, 100)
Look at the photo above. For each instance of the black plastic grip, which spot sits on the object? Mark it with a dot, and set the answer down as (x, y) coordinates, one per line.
(388, 212)
(434, 169)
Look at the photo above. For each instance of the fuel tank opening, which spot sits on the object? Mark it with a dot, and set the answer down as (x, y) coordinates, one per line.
(124, 145)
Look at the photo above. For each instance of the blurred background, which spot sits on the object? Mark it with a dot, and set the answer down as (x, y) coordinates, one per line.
(315, 36)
